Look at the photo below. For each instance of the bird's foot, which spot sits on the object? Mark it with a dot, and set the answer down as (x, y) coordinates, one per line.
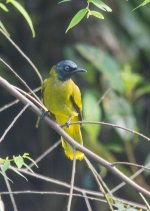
(67, 124)
(45, 113)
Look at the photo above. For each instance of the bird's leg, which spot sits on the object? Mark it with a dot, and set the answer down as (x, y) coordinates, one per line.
(44, 113)
(67, 124)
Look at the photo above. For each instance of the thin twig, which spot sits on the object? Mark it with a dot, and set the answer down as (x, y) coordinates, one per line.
(6, 85)
(13, 122)
(87, 202)
(2, 207)
(5, 107)
(130, 164)
(109, 124)
(118, 187)
(20, 79)
(10, 194)
(39, 104)
(145, 201)
(72, 180)
(78, 189)
(24, 55)
(100, 183)
(44, 154)
(104, 95)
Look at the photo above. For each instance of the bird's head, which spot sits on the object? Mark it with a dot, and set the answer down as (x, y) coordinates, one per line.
(66, 68)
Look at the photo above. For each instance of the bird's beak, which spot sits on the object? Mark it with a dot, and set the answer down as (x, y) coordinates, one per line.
(79, 70)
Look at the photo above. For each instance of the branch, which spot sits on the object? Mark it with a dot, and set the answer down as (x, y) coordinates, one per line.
(23, 54)
(6, 85)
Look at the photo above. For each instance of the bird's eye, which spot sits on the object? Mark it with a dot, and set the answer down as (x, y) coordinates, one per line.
(66, 68)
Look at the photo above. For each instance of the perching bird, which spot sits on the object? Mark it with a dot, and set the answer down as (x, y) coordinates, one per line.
(62, 98)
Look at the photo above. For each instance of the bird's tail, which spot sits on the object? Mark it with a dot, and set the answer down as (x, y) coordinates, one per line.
(75, 132)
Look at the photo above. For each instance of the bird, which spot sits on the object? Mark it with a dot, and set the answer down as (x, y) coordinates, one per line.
(62, 98)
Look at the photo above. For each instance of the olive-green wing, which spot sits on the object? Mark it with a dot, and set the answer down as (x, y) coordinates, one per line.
(76, 101)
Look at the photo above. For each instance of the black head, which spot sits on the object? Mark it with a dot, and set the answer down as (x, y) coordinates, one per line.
(66, 68)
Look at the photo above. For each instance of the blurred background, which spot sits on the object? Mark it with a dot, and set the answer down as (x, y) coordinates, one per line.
(115, 89)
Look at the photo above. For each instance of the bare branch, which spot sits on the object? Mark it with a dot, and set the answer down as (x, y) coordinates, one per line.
(13, 122)
(23, 54)
(11, 194)
(130, 164)
(111, 125)
(87, 202)
(2, 207)
(20, 79)
(49, 150)
(145, 201)
(6, 85)
(72, 180)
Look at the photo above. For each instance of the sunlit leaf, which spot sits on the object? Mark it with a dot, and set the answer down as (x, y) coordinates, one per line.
(101, 5)
(131, 81)
(3, 28)
(104, 63)
(77, 18)
(21, 9)
(19, 161)
(92, 112)
(26, 155)
(96, 14)
(5, 166)
(142, 4)
(119, 112)
(142, 91)
(63, 1)
(3, 7)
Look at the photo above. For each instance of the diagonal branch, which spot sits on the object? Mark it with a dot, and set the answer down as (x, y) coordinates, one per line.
(6, 85)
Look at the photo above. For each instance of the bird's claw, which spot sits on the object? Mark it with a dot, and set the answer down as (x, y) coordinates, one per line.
(67, 124)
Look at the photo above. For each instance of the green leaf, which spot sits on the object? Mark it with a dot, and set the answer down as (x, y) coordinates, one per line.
(92, 112)
(3, 7)
(120, 112)
(104, 63)
(19, 161)
(142, 4)
(96, 14)
(142, 91)
(63, 1)
(25, 155)
(24, 13)
(77, 18)
(3, 28)
(101, 5)
(6, 165)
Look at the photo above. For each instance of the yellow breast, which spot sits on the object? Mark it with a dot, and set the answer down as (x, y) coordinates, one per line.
(56, 96)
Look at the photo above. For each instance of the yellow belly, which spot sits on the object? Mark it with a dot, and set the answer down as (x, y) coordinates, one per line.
(56, 96)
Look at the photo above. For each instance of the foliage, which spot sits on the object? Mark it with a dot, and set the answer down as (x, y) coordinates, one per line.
(142, 4)
(21, 9)
(88, 12)
(19, 161)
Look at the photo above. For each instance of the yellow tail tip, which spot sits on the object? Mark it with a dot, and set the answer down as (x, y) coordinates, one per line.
(79, 155)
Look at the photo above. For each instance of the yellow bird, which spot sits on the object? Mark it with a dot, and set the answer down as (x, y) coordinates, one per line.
(62, 98)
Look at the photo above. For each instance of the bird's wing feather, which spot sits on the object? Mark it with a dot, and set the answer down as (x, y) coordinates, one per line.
(76, 101)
